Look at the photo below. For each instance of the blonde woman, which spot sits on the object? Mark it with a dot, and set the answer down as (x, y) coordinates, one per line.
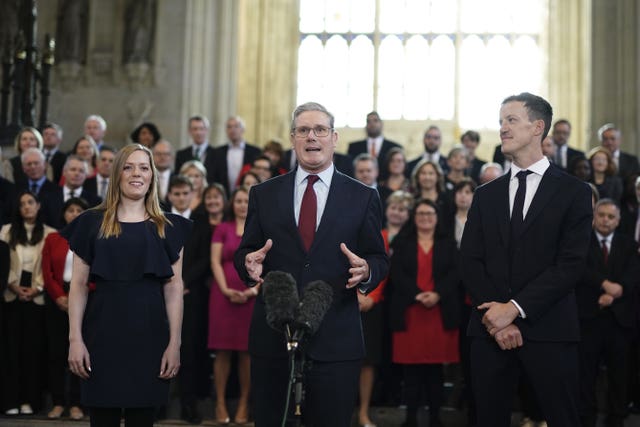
(197, 173)
(125, 341)
(28, 137)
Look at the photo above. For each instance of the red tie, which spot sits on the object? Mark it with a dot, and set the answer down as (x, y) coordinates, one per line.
(308, 212)
(605, 251)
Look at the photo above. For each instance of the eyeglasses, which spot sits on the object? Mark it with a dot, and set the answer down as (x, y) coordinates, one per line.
(319, 131)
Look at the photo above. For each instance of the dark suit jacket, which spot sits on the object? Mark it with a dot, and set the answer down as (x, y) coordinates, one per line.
(442, 160)
(8, 200)
(541, 268)
(46, 187)
(498, 156)
(623, 267)
(186, 154)
(57, 164)
(342, 162)
(359, 147)
(473, 171)
(271, 216)
(628, 218)
(403, 278)
(216, 164)
(628, 165)
(52, 203)
(572, 155)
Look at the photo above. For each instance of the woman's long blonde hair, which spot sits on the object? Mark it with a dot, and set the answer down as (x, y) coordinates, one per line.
(110, 226)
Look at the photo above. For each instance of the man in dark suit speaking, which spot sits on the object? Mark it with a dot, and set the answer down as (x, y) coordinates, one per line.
(317, 224)
(523, 251)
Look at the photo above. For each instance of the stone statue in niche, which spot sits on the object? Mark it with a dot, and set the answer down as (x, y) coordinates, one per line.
(140, 18)
(71, 35)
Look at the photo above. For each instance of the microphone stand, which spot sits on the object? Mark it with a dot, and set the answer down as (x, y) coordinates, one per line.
(296, 378)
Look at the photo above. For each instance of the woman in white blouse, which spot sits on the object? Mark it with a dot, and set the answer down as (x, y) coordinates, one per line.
(24, 306)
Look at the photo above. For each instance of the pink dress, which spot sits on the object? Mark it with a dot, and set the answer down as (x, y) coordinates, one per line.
(228, 322)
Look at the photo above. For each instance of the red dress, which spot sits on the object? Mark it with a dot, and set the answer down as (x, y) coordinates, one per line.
(425, 340)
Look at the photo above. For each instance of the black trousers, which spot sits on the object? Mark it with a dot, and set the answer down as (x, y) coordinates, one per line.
(432, 377)
(552, 368)
(331, 391)
(63, 385)
(110, 417)
(603, 340)
(195, 363)
(25, 354)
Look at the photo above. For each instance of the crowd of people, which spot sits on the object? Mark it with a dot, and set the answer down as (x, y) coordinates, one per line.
(414, 322)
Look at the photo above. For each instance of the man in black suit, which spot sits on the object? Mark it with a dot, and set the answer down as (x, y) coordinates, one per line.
(375, 144)
(523, 250)
(611, 138)
(34, 167)
(199, 148)
(229, 159)
(365, 170)
(317, 224)
(75, 173)
(51, 139)
(99, 184)
(471, 139)
(605, 296)
(565, 155)
(163, 159)
(432, 141)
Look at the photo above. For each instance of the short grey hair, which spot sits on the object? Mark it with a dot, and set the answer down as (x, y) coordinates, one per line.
(365, 157)
(605, 127)
(102, 122)
(311, 106)
(32, 150)
(75, 157)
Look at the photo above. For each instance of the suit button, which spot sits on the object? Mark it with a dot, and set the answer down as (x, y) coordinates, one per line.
(307, 265)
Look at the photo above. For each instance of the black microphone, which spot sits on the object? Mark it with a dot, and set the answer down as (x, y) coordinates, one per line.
(317, 299)
(280, 298)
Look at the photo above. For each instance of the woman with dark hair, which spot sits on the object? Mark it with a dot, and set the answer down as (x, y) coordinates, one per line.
(603, 174)
(230, 309)
(427, 182)
(425, 308)
(394, 164)
(195, 367)
(580, 167)
(146, 134)
(85, 148)
(24, 304)
(57, 264)
(249, 179)
(125, 339)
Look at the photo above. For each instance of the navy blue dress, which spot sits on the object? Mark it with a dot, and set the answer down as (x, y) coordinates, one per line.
(125, 326)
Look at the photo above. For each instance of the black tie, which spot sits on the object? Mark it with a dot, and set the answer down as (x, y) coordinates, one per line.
(34, 188)
(518, 203)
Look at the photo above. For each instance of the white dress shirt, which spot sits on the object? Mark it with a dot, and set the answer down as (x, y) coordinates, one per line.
(321, 187)
(533, 182)
(235, 158)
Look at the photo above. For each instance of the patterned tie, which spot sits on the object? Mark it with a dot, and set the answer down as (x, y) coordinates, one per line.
(605, 251)
(518, 203)
(103, 188)
(308, 213)
(34, 188)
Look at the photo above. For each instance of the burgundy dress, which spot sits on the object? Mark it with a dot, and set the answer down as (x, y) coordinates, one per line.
(228, 322)
(425, 340)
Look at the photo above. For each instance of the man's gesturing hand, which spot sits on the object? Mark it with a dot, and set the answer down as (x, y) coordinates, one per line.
(359, 268)
(253, 262)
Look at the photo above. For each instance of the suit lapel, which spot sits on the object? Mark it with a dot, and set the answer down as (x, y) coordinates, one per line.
(547, 188)
(332, 209)
(502, 207)
(285, 199)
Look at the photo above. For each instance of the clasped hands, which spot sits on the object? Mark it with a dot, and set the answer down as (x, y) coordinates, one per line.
(612, 290)
(359, 270)
(498, 319)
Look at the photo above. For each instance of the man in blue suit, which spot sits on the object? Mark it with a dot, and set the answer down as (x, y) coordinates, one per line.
(339, 242)
(523, 251)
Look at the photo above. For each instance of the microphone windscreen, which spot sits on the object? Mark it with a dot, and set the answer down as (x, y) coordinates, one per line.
(280, 298)
(316, 300)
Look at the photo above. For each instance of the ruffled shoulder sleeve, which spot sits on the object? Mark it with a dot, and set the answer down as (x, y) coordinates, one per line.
(82, 232)
(176, 234)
